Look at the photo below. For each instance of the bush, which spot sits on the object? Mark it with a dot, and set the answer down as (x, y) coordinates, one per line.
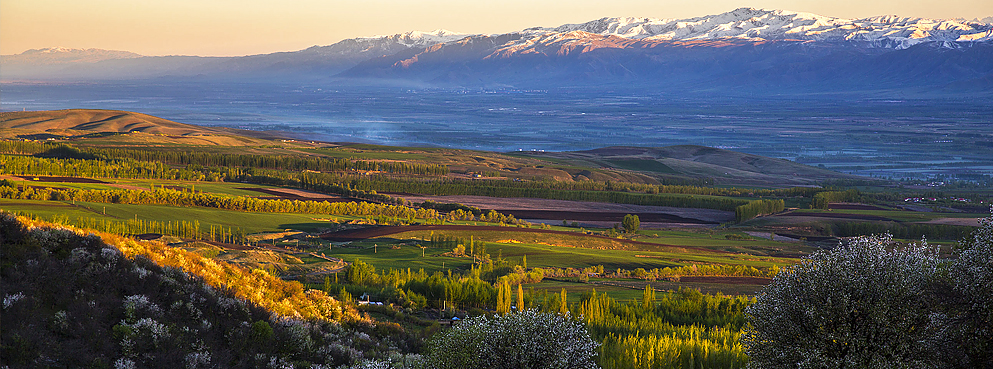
(527, 339)
(970, 316)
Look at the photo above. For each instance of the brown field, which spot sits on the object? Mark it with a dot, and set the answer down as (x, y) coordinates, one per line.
(600, 216)
(833, 216)
(532, 208)
(294, 194)
(727, 280)
(972, 222)
(852, 206)
(376, 232)
(60, 179)
(724, 285)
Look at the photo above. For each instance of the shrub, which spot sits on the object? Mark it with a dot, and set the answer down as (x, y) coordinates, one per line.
(526, 339)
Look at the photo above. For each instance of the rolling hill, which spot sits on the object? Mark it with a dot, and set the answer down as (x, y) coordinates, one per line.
(724, 166)
(94, 123)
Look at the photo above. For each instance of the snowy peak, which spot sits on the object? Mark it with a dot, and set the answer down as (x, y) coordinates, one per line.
(424, 39)
(362, 48)
(420, 38)
(762, 24)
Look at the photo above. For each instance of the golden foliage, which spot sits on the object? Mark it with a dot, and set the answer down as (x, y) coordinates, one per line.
(285, 298)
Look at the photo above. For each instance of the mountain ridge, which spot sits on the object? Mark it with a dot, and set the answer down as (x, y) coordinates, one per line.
(747, 49)
(743, 23)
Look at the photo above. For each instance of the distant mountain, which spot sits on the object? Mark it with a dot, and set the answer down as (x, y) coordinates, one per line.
(750, 50)
(316, 61)
(61, 55)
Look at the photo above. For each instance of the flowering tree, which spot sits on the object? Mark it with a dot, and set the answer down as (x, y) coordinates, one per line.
(526, 339)
(859, 305)
(970, 318)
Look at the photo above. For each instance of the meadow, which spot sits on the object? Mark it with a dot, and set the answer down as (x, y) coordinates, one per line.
(705, 250)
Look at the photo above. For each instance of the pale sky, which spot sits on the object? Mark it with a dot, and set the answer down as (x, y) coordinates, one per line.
(244, 27)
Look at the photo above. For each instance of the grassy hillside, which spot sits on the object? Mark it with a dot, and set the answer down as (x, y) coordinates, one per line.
(93, 123)
(724, 166)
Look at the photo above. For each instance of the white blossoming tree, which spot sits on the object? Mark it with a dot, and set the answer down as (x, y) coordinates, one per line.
(970, 318)
(526, 339)
(860, 305)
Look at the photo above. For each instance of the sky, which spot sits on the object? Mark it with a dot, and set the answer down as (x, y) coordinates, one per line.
(246, 27)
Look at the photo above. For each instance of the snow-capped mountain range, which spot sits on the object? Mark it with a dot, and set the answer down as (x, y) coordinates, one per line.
(743, 46)
(761, 24)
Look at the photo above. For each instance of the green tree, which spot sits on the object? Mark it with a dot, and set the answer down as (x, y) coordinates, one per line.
(344, 296)
(859, 305)
(631, 223)
(648, 297)
(361, 273)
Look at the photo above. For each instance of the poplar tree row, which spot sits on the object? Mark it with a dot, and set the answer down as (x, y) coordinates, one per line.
(161, 196)
(202, 158)
(681, 329)
(756, 208)
(132, 227)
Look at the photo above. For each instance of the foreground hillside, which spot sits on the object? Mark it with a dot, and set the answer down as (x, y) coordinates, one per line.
(73, 300)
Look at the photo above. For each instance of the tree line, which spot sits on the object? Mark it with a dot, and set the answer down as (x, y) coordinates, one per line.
(133, 227)
(112, 168)
(822, 199)
(756, 208)
(162, 196)
(181, 157)
(911, 231)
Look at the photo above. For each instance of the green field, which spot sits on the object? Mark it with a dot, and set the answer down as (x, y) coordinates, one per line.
(539, 255)
(247, 222)
(897, 215)
(718, 240)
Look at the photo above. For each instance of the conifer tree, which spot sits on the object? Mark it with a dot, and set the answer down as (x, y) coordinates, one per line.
(503, 298)
(520, 298)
